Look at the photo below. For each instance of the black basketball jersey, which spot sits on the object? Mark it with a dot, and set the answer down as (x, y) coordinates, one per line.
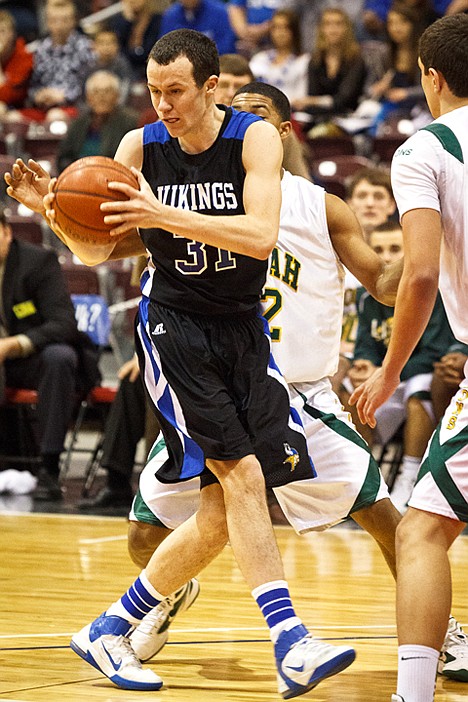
(188, 275)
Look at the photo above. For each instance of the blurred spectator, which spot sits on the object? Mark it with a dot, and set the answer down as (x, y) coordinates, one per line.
(110, 58)
(234, 73)
(207, 16)
(411, 401)
(41, 348)
(25, 16)
(336, 72)
(310, 13)
(97, 131)
(61, 63)
(15, 65)
(250, 20)
(284, 65)
(370, 196)
(448, 374)
(138, 28)
(129, 420)
(400, 88)
(374, 16)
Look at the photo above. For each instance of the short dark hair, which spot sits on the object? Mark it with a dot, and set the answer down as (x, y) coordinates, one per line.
(195, 46)
(278, 98)
(375, 176)
(390, 225)
(444, 47)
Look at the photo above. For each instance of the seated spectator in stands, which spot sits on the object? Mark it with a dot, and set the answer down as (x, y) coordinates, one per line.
(448, 374)
(16, 64)
(336, 72)
(284, 65)
(109, 58)
(400, 87)
(98, 129)
(129, 420)
(24, 13)
(138, 28)
(250, 20)
(234, 72)
(370, 196)
(411, 401)
(209, 17)
(61, 62)
(41, 347)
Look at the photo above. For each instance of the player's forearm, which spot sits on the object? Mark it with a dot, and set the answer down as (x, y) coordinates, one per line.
(246, 234)
(413, 309)
(387, 283)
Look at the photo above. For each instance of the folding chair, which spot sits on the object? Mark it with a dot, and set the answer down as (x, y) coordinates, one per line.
(24, 403)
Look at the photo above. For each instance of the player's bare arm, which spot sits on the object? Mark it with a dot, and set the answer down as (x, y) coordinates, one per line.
(129, 153)
(253, 233)
(346, 234)
(422, 234)
(28, 184)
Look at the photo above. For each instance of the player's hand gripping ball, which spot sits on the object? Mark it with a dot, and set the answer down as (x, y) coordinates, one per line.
(79, 191)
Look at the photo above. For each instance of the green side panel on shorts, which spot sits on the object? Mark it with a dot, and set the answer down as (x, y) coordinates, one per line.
(143, 513)
(371, 485)
(156, 448)
(447, 138)
(435, 463)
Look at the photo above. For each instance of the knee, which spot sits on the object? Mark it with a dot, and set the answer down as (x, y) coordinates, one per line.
(143, 540)
(59, 356)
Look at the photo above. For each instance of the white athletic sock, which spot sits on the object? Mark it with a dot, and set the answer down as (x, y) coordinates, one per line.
(417, 670)
(405, 480)
(140, 598)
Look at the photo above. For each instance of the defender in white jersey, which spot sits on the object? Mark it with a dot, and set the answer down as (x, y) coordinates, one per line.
(430, 181)
(303, 301)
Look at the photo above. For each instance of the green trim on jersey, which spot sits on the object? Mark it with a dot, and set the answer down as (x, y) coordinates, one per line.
(371, 485)
(436, 464)
(143, 513)
(447, 138)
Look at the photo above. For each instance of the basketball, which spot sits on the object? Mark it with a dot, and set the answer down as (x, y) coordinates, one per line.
(79, 191)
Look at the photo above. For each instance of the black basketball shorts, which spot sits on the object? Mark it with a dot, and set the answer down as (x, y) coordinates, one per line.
(218, 394)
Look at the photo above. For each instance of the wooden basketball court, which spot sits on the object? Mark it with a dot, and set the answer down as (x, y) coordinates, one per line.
(59, 572)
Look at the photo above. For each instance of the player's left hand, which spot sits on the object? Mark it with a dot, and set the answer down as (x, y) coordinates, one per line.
(142, 209)
(373, 393)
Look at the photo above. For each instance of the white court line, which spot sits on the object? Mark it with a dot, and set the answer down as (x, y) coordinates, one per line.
(213, 630)
(103, 539)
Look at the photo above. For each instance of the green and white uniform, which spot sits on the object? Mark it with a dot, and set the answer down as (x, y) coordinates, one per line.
(430, 171)
(303, 302)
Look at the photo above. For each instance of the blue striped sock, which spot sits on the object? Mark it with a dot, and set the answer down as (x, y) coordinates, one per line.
(140, 598)
(275, 604)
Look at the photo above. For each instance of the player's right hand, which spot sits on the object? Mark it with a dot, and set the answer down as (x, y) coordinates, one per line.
(28, 184)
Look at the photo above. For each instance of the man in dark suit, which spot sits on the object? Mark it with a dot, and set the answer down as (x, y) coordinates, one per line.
(40, 346)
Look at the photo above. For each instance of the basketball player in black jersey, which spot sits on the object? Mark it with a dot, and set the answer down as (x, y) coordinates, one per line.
(207, 211)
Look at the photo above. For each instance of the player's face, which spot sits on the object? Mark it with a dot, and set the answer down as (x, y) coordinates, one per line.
(372, 204)
(5, 240)
(388, 245)
(228, 85)
(258, 105)
(178, 102)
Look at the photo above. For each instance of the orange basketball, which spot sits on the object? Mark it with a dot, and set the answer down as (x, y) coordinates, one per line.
(79, 191)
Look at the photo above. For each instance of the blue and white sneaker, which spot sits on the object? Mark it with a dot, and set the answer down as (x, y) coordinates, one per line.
(153, 631)
(105, 645)
(303, 661)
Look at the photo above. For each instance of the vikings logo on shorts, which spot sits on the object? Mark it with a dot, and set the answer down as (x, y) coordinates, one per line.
(292, 456)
